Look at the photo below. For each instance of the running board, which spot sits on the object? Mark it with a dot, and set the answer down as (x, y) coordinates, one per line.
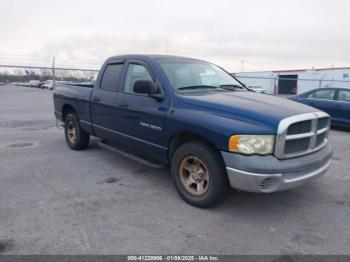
(131, 156)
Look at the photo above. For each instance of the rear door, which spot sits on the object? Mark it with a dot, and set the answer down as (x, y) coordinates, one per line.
(104, 101)
(343, 107)
(323, 99)
(141, 118)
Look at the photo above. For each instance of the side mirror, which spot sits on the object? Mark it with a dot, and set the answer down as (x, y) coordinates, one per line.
(146, 87)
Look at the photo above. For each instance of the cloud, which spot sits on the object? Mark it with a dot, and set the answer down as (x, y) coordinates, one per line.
(266, 34)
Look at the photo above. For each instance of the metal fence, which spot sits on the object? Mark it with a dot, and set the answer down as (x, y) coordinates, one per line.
(25, 73)
(285, 86)
(274, 84)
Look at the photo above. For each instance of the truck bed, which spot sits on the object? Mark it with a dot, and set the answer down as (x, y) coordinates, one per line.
(77, 91)
(78, 96)
(81, 85)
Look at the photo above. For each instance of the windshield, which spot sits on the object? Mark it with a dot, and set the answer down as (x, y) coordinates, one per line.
(188, 75)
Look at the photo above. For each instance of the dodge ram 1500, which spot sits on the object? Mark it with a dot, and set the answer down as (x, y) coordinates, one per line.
(201, 121)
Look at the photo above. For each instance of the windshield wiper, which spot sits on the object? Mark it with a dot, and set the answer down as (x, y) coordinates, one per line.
(225, 87)
(231, 86)
(198, 87)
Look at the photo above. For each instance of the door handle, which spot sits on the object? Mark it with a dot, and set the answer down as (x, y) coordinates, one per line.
(96, 99)
(123, 104)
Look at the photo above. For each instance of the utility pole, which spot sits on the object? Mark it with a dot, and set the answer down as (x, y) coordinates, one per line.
(166, 45)
(242, 65)
(53, 71)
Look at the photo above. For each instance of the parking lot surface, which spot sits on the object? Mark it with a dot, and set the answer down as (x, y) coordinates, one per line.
(57, 201)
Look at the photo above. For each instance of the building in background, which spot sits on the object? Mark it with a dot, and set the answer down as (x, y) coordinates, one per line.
(288, 82)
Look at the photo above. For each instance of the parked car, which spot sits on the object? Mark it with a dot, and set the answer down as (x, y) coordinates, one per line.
(200, 120)
(90, 82)
(34, 83)
(257, 89)
(334, 101)
(49, 84)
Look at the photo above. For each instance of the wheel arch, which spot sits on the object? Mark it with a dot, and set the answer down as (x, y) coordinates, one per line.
(181, 138)
(66, 109)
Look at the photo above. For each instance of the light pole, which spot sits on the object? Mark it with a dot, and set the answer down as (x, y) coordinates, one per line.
(166, 45)
(53, 71)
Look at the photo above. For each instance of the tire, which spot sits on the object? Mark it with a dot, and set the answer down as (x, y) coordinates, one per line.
(76, 138)
(199, 174)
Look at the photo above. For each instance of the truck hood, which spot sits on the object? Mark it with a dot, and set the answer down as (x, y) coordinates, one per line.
(248, 105)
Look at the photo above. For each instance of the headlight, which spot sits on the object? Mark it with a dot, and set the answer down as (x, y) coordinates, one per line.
(252, 144)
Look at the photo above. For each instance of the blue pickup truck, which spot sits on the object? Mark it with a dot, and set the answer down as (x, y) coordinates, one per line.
(198, 119)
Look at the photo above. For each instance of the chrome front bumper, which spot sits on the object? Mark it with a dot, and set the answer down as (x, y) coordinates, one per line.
(266, 174)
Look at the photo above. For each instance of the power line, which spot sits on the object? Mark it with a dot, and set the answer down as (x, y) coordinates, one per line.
(46, 63)
(49, 68)
(33, 55)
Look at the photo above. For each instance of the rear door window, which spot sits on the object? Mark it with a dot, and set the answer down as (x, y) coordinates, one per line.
(110, 77)
(344, 96)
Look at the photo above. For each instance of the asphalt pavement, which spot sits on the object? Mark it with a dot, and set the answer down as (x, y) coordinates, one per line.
(57, 201)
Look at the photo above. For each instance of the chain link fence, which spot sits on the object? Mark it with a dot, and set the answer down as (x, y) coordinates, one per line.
(289, 84)
(21, 74)
(266, 82)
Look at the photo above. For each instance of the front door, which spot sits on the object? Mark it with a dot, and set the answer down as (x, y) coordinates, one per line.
(141, 118)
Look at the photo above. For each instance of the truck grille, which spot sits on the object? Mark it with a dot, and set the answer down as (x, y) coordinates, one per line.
(302, 134)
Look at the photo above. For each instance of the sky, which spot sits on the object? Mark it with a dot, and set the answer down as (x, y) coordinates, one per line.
(248, 35)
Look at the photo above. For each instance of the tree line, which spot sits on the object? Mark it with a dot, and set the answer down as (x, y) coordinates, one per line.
(25, 75)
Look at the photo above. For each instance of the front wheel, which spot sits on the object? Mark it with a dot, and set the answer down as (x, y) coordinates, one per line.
(198, 174)
(76, 138)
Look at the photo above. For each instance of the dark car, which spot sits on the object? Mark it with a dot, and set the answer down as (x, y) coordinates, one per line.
(334, 101)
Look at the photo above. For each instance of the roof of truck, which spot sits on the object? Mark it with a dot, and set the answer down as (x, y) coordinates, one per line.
(150, 56)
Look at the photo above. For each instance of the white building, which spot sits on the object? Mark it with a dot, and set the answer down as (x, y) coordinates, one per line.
(297, 81)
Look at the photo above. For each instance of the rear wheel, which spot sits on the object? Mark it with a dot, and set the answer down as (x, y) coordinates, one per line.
(76, 138)
(198, 174)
